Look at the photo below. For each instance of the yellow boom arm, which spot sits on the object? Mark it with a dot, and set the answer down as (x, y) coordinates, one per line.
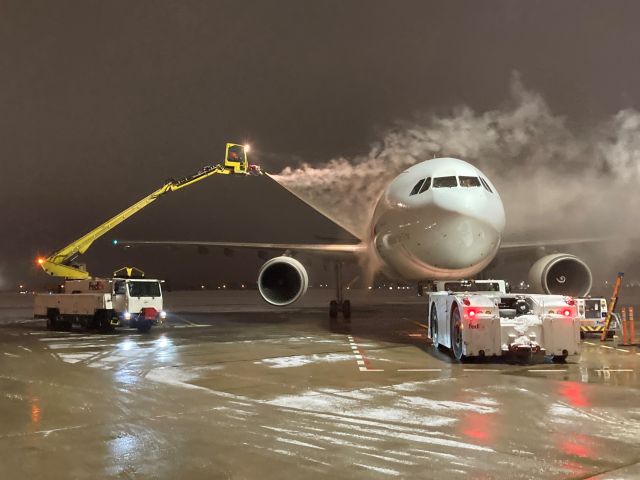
(59, 263)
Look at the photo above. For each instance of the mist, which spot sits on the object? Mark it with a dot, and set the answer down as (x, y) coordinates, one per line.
(556, 181)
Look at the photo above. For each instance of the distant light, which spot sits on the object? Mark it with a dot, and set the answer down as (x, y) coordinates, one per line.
(202, 287)
(242, 286)
(21, 287)
(224, 286)
(247, 148)
(40, 260)
(115, 242)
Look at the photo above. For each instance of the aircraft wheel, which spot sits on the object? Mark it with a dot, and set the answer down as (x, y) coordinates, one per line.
(333, 309)
(456, 334)
(346, 310)
(434, 326)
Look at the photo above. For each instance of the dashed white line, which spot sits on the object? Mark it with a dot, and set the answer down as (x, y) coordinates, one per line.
(606, 346)
(481, 370)
(360, 360)
(622, 350)
(616, 370)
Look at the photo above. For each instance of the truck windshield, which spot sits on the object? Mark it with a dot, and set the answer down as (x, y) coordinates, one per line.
(144, 289)
(592, 309)
(472, 287)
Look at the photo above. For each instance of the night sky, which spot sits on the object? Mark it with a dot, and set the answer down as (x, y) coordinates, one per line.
(100, 102)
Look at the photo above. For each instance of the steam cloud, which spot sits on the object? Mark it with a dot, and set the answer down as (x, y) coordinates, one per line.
(555, 182)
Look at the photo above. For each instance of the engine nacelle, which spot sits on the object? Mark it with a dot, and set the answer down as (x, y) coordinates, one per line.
(282, 281)
(561, 274)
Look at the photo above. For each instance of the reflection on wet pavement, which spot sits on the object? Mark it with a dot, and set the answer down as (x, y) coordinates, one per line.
(292, 399)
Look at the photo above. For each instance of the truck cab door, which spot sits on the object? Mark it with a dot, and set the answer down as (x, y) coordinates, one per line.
(120, 296)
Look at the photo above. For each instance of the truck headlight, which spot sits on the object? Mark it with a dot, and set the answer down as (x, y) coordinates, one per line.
(163, 314)
(127, 316)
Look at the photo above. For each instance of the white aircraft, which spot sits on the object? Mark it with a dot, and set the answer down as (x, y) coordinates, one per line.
(441, 219)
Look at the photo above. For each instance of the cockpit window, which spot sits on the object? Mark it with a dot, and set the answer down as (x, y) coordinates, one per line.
(469, 182)
(486, 185)
(426, 185)
(445, 182)
(416, 188)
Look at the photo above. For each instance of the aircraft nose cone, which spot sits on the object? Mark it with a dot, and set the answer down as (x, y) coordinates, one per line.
(463, 243)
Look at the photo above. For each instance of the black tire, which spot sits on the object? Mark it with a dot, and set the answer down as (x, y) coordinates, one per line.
(456, 334)
(433, 324)
(52, 320)
(144, 326)
(333, 309)
(346, 309)
(104, 324)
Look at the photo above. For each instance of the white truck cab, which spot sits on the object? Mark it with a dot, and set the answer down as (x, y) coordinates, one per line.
(103, 304)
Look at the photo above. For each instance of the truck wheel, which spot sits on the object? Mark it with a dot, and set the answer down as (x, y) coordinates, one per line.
(434, 326)
(456, 334)
(144, 326)
(560, 358)
(52, 320)
(104, 324)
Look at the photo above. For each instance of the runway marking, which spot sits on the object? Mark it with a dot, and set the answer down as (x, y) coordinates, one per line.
(612, 370)
(545, 370)
(421, 325)
(622, 350)
(482, 370)
(606, 346)
(361, 360)
(590, 343)
(11, 355)
(419, 369)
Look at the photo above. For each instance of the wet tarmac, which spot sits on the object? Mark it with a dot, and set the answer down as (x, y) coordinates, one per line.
(235, 389)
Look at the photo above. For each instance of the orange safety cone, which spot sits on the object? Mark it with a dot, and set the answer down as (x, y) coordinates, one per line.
(623, 318)
(632, 327)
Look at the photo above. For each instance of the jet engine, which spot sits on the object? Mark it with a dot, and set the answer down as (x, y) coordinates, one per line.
(282, 281)
(561, 274)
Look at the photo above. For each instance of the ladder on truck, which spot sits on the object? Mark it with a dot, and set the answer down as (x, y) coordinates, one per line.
(613, 301)
(61, 262)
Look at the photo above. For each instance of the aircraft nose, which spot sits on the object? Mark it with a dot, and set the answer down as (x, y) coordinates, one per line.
(461, 236)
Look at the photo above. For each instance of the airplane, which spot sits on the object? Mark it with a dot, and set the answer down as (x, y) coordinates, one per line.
(441, 219)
